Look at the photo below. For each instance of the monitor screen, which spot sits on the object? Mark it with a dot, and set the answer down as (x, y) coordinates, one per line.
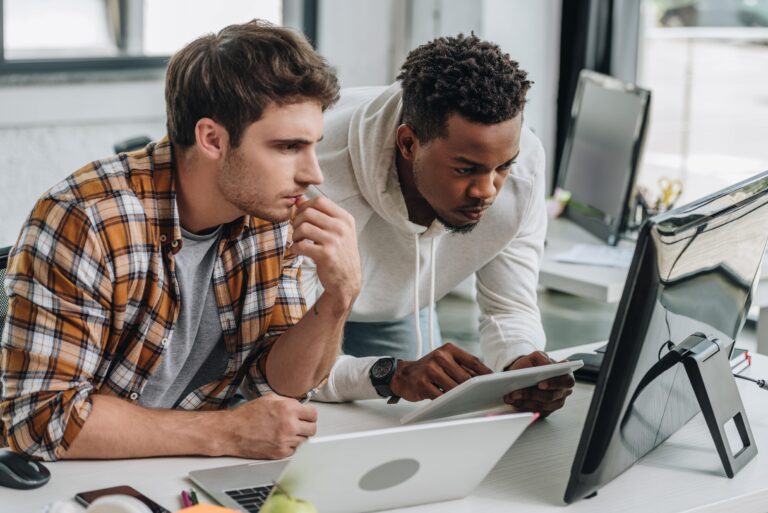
(693, 271)
(601, 152)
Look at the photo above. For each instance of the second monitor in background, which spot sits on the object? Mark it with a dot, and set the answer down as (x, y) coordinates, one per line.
(602, 151)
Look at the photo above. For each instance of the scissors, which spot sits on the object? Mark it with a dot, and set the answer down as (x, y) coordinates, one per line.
(670, 191)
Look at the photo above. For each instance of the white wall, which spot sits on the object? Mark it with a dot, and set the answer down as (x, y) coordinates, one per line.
(357, 39)
(367, 41)
(49, 130)
(530, 32)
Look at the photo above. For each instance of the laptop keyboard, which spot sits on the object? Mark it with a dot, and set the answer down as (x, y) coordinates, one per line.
(251, 499)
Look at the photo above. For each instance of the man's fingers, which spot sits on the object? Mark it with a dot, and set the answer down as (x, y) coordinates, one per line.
(558, 382)
(545, 397)
(295, 442)
(307, 429)
(317, 218)
(458, 373)
(468, 360)
(535, 359)
(429, 391)
(534, 394)
(442, 380)
(305, 203)
(312, 233)
(541, 358)
(308, 249)
(308, 413)
(323, 205)
(536, 406)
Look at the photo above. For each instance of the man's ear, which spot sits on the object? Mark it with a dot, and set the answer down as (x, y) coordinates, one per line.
(407, 142)
(211, 139)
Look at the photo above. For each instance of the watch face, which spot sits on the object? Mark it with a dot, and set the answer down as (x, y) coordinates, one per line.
(381, 368)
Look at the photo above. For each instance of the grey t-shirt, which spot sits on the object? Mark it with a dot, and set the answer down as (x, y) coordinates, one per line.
(196, 353)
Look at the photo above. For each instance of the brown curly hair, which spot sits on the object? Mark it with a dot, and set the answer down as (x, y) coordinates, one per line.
(463, 75)
(232, 76)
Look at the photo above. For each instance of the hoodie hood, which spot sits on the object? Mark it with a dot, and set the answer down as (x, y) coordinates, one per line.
(372, 148)
(407, 266)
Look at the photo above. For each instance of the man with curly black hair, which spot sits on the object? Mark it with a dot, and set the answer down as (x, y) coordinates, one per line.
(445, 182)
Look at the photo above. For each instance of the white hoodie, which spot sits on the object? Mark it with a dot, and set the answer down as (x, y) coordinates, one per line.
(401, 259)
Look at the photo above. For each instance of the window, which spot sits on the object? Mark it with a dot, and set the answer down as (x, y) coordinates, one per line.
(208, 16)
(51, 35)
(706, 63)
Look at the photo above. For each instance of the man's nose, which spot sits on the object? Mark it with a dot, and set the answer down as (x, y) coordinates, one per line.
(483, 187)
(310, 172)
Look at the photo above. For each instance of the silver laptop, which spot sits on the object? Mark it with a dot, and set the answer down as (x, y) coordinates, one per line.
(374, 470)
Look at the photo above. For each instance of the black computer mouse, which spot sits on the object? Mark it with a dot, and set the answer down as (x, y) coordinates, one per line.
(21, 472)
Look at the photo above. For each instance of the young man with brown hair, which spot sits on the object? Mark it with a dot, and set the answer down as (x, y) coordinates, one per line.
(162, 280)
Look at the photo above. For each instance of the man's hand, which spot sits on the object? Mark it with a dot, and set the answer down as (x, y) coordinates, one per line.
(325, 232)
(436, 373)
(270, 427)
(545, 397)
(303, 355)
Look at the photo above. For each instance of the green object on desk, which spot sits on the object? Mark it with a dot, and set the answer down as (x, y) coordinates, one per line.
(193, 496)
(281, 502)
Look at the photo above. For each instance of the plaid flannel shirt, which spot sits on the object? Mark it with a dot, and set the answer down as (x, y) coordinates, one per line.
(94, 298)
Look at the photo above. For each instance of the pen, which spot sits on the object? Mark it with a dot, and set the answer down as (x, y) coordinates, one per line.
(314, 188)
(185, 500)
(308, 397)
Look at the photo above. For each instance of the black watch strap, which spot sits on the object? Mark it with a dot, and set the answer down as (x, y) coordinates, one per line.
(381, 374)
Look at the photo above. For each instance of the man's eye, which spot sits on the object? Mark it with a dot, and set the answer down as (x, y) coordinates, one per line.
(506, 166)
(464, 171)
(289, 147)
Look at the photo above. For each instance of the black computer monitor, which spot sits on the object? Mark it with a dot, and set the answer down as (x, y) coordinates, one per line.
(693, 272)
(601, 152)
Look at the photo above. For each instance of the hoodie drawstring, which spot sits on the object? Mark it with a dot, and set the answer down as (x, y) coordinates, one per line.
(431, 317)
(432, 296)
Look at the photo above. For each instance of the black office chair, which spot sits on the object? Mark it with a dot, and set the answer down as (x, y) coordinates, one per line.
(3, 311)
(134, 143)
(3, 298)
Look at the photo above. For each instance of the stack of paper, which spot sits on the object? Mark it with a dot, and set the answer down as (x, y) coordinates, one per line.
(597, 254)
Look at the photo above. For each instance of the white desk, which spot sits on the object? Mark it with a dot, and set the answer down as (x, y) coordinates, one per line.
(607, 283)
(588, 281)
(683, 474)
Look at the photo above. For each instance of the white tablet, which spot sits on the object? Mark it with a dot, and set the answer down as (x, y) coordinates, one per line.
(487, 391)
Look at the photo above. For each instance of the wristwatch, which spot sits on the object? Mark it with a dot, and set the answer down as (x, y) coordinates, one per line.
(381, 375)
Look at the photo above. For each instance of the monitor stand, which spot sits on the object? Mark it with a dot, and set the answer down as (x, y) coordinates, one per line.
(709, 372)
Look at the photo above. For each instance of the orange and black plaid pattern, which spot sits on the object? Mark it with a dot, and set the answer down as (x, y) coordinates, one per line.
(93, 298)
